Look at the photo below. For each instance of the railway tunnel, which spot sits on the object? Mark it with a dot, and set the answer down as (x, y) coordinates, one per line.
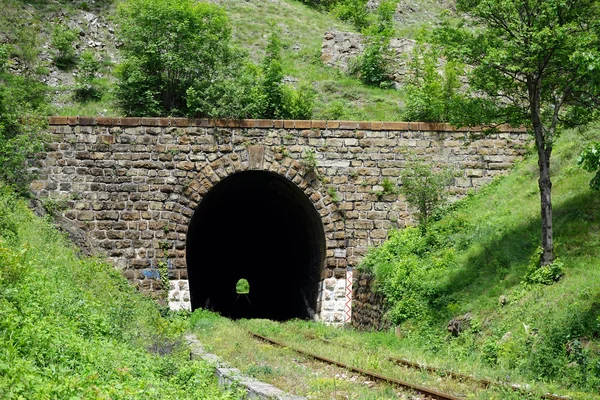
(259, 226)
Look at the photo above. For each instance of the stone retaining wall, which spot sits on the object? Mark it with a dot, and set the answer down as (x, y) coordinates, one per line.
(367, 306)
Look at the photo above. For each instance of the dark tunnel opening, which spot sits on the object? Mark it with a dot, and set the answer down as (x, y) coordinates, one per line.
(259, 226)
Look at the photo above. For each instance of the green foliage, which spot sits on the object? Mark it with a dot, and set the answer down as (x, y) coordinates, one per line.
(87, 86)
(242, 286)
(63, 39)
(543, 274)
(333, 194)
(373, 67)
(309, 160)
(20, 132)
(354, 12)
(431, 96)
(589, 160)
(425, 187)
(173, 50)
(278, 100)
(409, 269)
(74, 328)
(534, 64)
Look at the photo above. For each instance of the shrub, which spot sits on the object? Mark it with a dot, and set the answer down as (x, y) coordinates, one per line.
(20, 135)
(353, 11)
(86, 79)
(373, 67)
(63, 40)
(589, 160)
(276, 99)
(173, 50)
(432, 94)
(543, 274)
(425, 187)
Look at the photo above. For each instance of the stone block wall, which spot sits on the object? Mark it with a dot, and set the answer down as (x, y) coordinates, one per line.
(131, 185)
(368, 307)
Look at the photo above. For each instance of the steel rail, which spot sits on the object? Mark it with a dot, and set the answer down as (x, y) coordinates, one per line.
(485, 383)
(434, 394)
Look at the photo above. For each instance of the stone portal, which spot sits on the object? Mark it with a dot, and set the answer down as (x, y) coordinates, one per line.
(259, 226)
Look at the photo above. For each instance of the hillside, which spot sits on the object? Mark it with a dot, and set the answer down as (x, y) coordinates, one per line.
(30, 27)
(72, 327)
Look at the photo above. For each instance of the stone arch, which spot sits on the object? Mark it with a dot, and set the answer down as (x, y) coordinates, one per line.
(304, 192)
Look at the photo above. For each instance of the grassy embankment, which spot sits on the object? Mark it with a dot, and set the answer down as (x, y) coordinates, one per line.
(546, 336)
(72, 327)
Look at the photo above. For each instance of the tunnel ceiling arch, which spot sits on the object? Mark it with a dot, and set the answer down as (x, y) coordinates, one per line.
(259, 226)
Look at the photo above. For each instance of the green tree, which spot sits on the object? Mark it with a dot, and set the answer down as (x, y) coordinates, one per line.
(534, 63)
(430, 95)
(276, 99)
(63, 40)
(425, 187)
(173, 49)
(373, 67)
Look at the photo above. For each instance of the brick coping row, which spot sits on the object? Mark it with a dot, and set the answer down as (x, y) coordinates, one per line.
(269, 123)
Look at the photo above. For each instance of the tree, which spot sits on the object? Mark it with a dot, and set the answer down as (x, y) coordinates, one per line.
(534, 63)
(425, 187)
(170, 48)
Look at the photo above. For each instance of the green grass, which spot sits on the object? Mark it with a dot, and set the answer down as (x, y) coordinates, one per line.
(72, 327)
(302, 30)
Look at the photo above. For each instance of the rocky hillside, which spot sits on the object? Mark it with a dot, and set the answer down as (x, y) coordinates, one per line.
(310, 53)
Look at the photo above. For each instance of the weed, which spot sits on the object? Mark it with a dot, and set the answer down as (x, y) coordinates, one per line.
(309, 160)
(333, 195)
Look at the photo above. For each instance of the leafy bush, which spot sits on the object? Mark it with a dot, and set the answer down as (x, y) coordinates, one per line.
(589, 160)
(63, 39)
(353, 11)
(373, 67)
(86, 79)
(20, 132)
(544, 274)
(425, 187)
(178, 59)
(432, 92)
(278, 100)
(409, 269)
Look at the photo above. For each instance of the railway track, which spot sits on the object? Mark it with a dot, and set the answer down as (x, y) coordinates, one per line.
(484, 383)
(430, 393)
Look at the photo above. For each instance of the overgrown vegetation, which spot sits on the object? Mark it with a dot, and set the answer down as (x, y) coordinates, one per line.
(74, 327)
(425, 187)
(21, 99)
(481, 257)
(373, 67)
(432, 89)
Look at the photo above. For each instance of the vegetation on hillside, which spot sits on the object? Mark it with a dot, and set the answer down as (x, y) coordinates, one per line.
(481, 257)
(72, 327)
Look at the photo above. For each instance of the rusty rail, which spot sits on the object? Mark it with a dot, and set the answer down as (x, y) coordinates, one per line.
(485, 383)
(434, 394)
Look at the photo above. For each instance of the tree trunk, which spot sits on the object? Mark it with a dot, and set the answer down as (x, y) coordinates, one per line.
(544, 150)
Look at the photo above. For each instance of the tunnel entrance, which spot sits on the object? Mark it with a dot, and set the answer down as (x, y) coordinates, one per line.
(258, 226)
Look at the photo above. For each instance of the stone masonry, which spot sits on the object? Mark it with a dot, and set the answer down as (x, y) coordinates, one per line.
(130, 185)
